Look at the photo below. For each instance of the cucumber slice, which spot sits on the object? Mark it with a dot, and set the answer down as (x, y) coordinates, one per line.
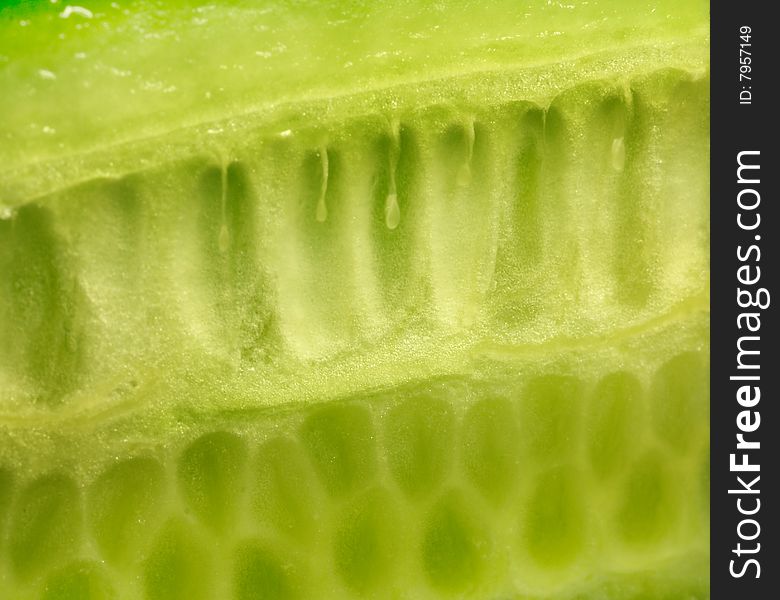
(324, 300)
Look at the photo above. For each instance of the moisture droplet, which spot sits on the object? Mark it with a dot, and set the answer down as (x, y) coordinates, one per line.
(322, 210)
(618, 154)
(463, 177)
(224, 238)
(392, 211)
(76, 10)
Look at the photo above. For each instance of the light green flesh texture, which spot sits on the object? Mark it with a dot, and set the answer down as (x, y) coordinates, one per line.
(303, 301)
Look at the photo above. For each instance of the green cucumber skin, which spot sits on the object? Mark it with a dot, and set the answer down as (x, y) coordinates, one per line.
(430, 328)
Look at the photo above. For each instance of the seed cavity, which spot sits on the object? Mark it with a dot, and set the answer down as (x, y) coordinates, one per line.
(679, 394)
(43, 306)
(618, 154)
(223, 241)
(211, 477)
(365, 546)
(464, 173)
(124, 505)
(284, 493)
(419, 433)
(648, 509)
(224, 238)
(550, 416)
(489, 447)
(6, 489)
(454, 545)
(178, 566)
(84, 580)
(260, 574)
(340, 441)
(45, 525)
(555, 523)
(613, 423)
(619, 109)
(392, 210)
(322, 208)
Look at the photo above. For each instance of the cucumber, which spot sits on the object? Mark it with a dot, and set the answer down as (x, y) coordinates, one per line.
(331, 300)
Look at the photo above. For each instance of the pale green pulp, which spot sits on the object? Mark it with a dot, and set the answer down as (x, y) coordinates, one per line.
(331, 300)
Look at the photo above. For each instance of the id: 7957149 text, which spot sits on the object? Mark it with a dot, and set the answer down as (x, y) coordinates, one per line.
(745, 67)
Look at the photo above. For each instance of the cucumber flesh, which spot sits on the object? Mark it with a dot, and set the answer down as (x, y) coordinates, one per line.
(480, 486)
(164, 69)
(434, 324)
